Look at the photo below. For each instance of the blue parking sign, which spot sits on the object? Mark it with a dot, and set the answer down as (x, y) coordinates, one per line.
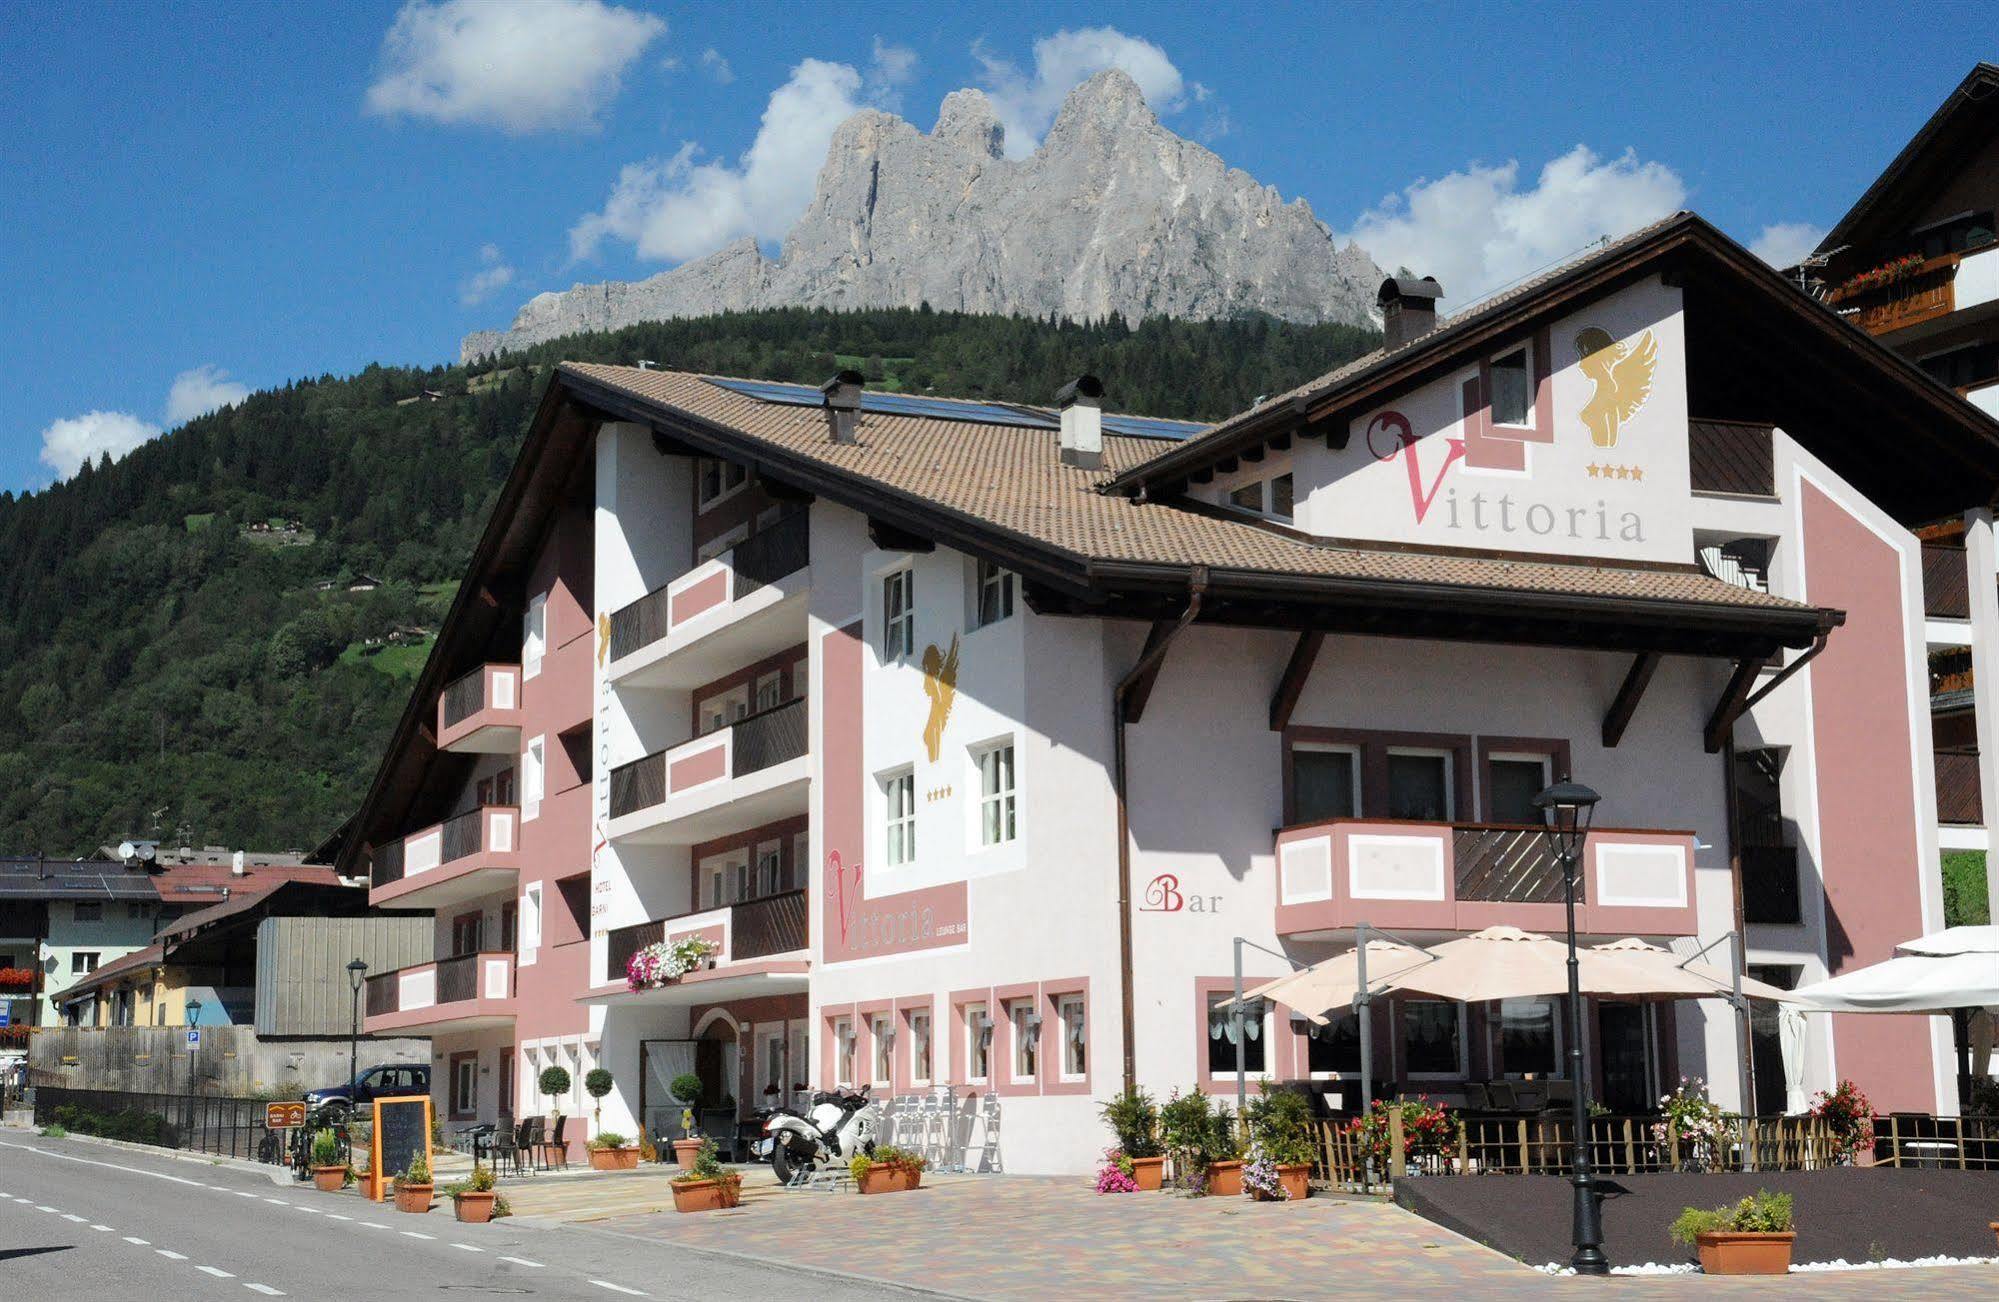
(193, 1036)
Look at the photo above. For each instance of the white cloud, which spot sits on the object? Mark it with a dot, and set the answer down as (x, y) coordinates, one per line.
(716, 64)
(889, 69)
(494, 274)
(1476, 230)
(70, 442)
(1782, 244)
(1027, 104)
(200, 391)
(675, 208)
(530, 66)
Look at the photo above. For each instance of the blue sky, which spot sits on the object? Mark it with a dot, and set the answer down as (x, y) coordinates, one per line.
(201, 197)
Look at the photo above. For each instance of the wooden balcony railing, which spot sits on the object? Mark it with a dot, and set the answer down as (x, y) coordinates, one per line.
(464, 696)
(1946, 582)
(1925, 293)
(1959, 799)
(456, 981)
(460, 836)
(1507, 864)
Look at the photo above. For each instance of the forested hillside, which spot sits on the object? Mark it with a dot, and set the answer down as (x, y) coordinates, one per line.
(215, 635)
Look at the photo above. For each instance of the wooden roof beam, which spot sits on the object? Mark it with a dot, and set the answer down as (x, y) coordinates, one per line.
(1292, 685)
(1625, 703)
(1733, 701)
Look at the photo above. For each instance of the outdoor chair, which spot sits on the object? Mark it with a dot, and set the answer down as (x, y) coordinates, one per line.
(1561, 1094)
(1499, 1095)
(719, 1125)
(534, 1142)
(555, 1152)
(506, 1145)
(1476, 1098)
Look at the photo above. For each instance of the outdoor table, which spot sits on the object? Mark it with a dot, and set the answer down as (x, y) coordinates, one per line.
(1930, 1152)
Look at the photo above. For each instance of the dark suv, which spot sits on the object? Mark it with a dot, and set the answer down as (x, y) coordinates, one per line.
(391, 1080)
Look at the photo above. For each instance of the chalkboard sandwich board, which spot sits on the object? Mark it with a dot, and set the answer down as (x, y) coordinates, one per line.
(402, 1134)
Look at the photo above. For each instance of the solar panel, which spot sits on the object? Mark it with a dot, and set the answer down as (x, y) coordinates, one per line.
(981, 413)
(1151, 427)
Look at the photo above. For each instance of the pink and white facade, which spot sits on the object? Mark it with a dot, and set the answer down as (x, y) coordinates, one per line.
(865, 734)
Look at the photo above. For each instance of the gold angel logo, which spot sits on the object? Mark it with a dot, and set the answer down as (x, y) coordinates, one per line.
(603, 638)
(940, 684)
(1623, 379)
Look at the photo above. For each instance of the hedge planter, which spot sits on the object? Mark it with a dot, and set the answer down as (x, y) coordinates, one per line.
(1146, 1173)
(413, 1198)
(1225, 1179)
(474, 1208)
(329, 1179)
(887, 1179)
(617, 1159)
(1744, 1252)
(685, 1151)
(706, 1195)
(1296, 1179)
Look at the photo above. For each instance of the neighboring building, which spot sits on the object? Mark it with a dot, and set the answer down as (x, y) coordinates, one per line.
(974, 735)
(1916, 265)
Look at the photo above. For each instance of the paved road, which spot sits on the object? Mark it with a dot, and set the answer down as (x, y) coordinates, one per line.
(87, 1221)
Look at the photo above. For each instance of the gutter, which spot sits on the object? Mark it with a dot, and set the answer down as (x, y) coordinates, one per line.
(1197, 585)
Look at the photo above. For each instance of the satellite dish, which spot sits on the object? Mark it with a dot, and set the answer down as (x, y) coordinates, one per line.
(126, 850)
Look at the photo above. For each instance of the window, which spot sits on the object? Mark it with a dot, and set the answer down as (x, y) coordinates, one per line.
(801, 861)
(715, 480)
(843, 1051)
(1249, 497)
(1222, 1036)
(1281, 497)
(881, 1032)
(920, 1054)
(532, 769)
(1514, 782)
(1955, 235)
(87, 912)
(498, 789)
(1026, 1026)
(1272, 497)
(978, 1042)
(995, 591)
(531, 919)
(1075, 1036)
(996, 795)
(1419, 786)
(1325, 783)
(1512, 404)
(465, 934)
(509, 931)
(801, 680)
(83, 961)
(1527, 1039)
(898, 614)
(723, 709)
(899, 796)
(1334, 1049)
(135, 910)
(534, 635)
(770, 691)
(728, 878)
(770, 868)
(1432, 1044)
(464, 1085)
(770, 1056)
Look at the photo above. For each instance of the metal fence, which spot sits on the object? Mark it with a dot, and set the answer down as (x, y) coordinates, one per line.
(200, 1123)
(465, 696)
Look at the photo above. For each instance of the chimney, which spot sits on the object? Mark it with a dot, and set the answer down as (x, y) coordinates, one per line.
(843, 406)
(236, 864)
(1081, 401)
(1408, 309)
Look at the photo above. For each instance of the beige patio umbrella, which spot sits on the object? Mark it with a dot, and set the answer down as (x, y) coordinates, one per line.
(1496, 963)
(1333, 984)
(1639, 969)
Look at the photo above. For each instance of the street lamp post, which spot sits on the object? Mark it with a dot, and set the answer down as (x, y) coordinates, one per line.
(1568, 806)
(357, 973)
(193, 1052)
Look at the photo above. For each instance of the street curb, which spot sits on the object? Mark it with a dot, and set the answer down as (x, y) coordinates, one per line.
(276, 1175)
(793, 1267)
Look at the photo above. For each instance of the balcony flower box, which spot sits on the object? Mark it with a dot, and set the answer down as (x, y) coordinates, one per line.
(663, 962)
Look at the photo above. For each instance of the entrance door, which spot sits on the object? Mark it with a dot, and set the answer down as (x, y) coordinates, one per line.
(1621, 1035)
(660, 1061)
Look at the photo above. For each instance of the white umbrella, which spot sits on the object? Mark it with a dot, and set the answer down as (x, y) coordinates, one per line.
(1332, 984)
(1938, 973)
(1955, 940)
(1640, 968)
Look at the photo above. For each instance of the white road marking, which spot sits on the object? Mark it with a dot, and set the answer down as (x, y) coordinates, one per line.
(522, 1261)
(100, 1227)
(171, 1256)
(466, 1247)
(412, 1234)
(219, 1274)
(617, 1288)
(144, 1243)
(72, 1216)
(265, 1289)
(219, 1189)
(114, 1166)
(310, 1211)
(336, 1216)
(279, 1201)
(44, 1207)
(24, 1200)
(373, 1225)
(244, 1193)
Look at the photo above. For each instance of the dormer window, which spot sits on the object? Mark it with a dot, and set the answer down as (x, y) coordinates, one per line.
(1267, 497)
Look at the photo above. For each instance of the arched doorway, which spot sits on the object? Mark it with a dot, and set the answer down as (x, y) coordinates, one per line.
(718, 1062)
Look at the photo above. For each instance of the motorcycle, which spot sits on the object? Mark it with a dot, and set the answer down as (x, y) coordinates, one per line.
(840, 1124)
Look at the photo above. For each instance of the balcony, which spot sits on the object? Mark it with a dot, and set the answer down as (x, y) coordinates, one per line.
(743, 605)
(1459, 877)
(480, 713)
(1947, 285)
(755, 936)
(1946, 582)
(754, 771)
(472, 992)
(476, 853)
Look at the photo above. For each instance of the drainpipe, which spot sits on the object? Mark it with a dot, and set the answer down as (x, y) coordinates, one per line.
(1197, 585)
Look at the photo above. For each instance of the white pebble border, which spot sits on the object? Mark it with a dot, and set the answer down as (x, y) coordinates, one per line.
(1797, 1268)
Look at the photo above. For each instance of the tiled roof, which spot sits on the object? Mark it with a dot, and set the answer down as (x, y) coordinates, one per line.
(1013, 479)
(109, 972)
(88, 879)
(203, 883)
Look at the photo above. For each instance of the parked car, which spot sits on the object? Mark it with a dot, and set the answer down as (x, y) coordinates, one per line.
(395, 1080)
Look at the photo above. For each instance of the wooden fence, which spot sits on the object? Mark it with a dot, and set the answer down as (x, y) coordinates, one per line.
(1960, 1143)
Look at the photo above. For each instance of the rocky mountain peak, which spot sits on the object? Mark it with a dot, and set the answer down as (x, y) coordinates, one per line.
(966, 119)
(1105, 107)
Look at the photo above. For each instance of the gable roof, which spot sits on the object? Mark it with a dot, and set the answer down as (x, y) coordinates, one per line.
(1967, 118)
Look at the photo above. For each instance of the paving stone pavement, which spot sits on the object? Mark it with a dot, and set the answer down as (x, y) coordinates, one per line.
(1036, 1237)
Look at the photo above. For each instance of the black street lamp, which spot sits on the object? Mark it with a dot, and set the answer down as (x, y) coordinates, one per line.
(193, 1052)
(357, 973)
(1568, 806)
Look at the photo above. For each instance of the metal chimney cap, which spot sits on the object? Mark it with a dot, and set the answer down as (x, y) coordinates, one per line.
(843, 390)
(1084, 388)
(1403, 287)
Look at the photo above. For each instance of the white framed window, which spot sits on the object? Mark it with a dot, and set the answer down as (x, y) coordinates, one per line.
(728, 878)
(770, 1062)
(996, 794)
(1222, 1026)
(1512, 782)
(530, 922)
(723, 708)
(898, 613)
(534, 634)
(715, 479)
(770, 868)
(533, 775)
(1024, 1020)
(1274, 497)
(922, 1060)
(769, 691)
(1072, 1013)
(1512, 396)
(843, 1051)
(899, 817)
(993, 589)
(1419, 785)
(882, 1032)
(978, 1042)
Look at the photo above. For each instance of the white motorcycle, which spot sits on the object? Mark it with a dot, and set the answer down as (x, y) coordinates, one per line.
(840, 1124)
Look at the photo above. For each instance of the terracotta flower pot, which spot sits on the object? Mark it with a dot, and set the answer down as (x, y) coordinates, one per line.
(614, 1159)
(1225, 1179)
(699, 1196)
(1146, 1172)
(413, 1197)
(329, 1179)
(884, 1179)
(1743, 1252)
(732, 1190)
(1994, 1226)
(685, 1151)
(1296, 1179)
(474, 1208)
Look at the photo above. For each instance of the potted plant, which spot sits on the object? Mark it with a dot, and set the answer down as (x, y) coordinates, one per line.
(1281, 1146)
(473, 1197)
(1224, 1154)
(706, 1187)
(329, 1173)
(1134, 1118)
(686, 1090)
(1693, 1127)
(1754, 1237)
(1117, 1174)
(413, 1187)
(597, 1082)
(611, 1151)
(1186, 1127)
(887, 1170)
(1849, 1121)
(1429, 1132)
